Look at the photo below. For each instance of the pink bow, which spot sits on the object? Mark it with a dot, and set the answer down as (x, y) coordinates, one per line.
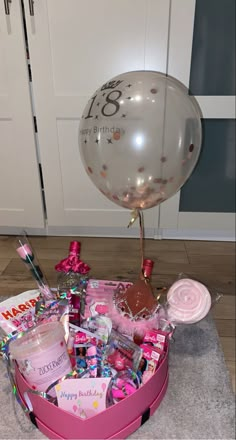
(72, 264)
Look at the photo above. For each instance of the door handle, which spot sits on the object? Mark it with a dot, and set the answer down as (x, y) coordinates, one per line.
(7, 8)
(31, 7)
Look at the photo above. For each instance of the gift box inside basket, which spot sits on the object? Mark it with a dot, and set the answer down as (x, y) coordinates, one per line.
(89, 359)
(117, 421)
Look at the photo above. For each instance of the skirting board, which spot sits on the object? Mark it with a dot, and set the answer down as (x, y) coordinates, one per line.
(82, 231)
(132, 232)
(195, 234)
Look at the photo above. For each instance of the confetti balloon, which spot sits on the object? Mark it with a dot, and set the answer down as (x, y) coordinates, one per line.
(140, 138)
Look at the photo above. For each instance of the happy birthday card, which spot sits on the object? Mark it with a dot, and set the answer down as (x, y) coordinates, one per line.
(83, 397)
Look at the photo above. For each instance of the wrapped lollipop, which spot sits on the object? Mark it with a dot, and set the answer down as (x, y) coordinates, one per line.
(188, 301)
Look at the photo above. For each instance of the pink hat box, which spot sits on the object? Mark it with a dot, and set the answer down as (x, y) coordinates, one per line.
(116, 422)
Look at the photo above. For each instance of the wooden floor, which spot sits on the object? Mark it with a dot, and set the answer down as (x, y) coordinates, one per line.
(212, 263)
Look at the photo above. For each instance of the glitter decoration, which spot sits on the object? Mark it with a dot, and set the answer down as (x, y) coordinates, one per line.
(4, 352)
(73, 374)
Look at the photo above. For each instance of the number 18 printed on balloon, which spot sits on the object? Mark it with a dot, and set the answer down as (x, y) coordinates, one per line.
(140, 138)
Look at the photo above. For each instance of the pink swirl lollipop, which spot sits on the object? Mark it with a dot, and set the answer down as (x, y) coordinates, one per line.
(189, 301)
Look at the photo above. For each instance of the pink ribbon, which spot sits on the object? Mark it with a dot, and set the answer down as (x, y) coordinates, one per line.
(72, 264)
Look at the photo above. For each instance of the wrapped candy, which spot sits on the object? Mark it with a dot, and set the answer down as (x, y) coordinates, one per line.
(189, 301)
(124, 384)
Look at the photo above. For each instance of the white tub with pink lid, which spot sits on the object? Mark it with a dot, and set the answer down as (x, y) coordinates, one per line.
(41, 355)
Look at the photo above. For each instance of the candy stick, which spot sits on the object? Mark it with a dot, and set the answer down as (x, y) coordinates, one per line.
(26, 254)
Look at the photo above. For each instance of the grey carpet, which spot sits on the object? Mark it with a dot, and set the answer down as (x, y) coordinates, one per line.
(199, 403)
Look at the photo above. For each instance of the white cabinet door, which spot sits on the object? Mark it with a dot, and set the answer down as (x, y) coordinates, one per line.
(173, 222)
(75, 46)
(20, 190)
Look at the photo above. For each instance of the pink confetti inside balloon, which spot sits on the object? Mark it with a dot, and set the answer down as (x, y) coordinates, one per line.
(189, 301)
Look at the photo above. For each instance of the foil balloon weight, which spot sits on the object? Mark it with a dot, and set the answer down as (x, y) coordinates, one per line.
(140, 138)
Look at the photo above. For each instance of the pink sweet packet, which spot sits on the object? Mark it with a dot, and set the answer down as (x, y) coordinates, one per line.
(99, 296)
(151, 353)
(151, 358)
(18, 312)
(104, 285)
(84, 339)
(157, 338)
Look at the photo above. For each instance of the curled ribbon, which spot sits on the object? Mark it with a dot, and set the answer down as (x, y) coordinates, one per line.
(134, 216)
(136, 213)
(4, 352)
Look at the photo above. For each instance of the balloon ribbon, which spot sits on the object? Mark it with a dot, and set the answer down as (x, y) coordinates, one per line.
(136, 213)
